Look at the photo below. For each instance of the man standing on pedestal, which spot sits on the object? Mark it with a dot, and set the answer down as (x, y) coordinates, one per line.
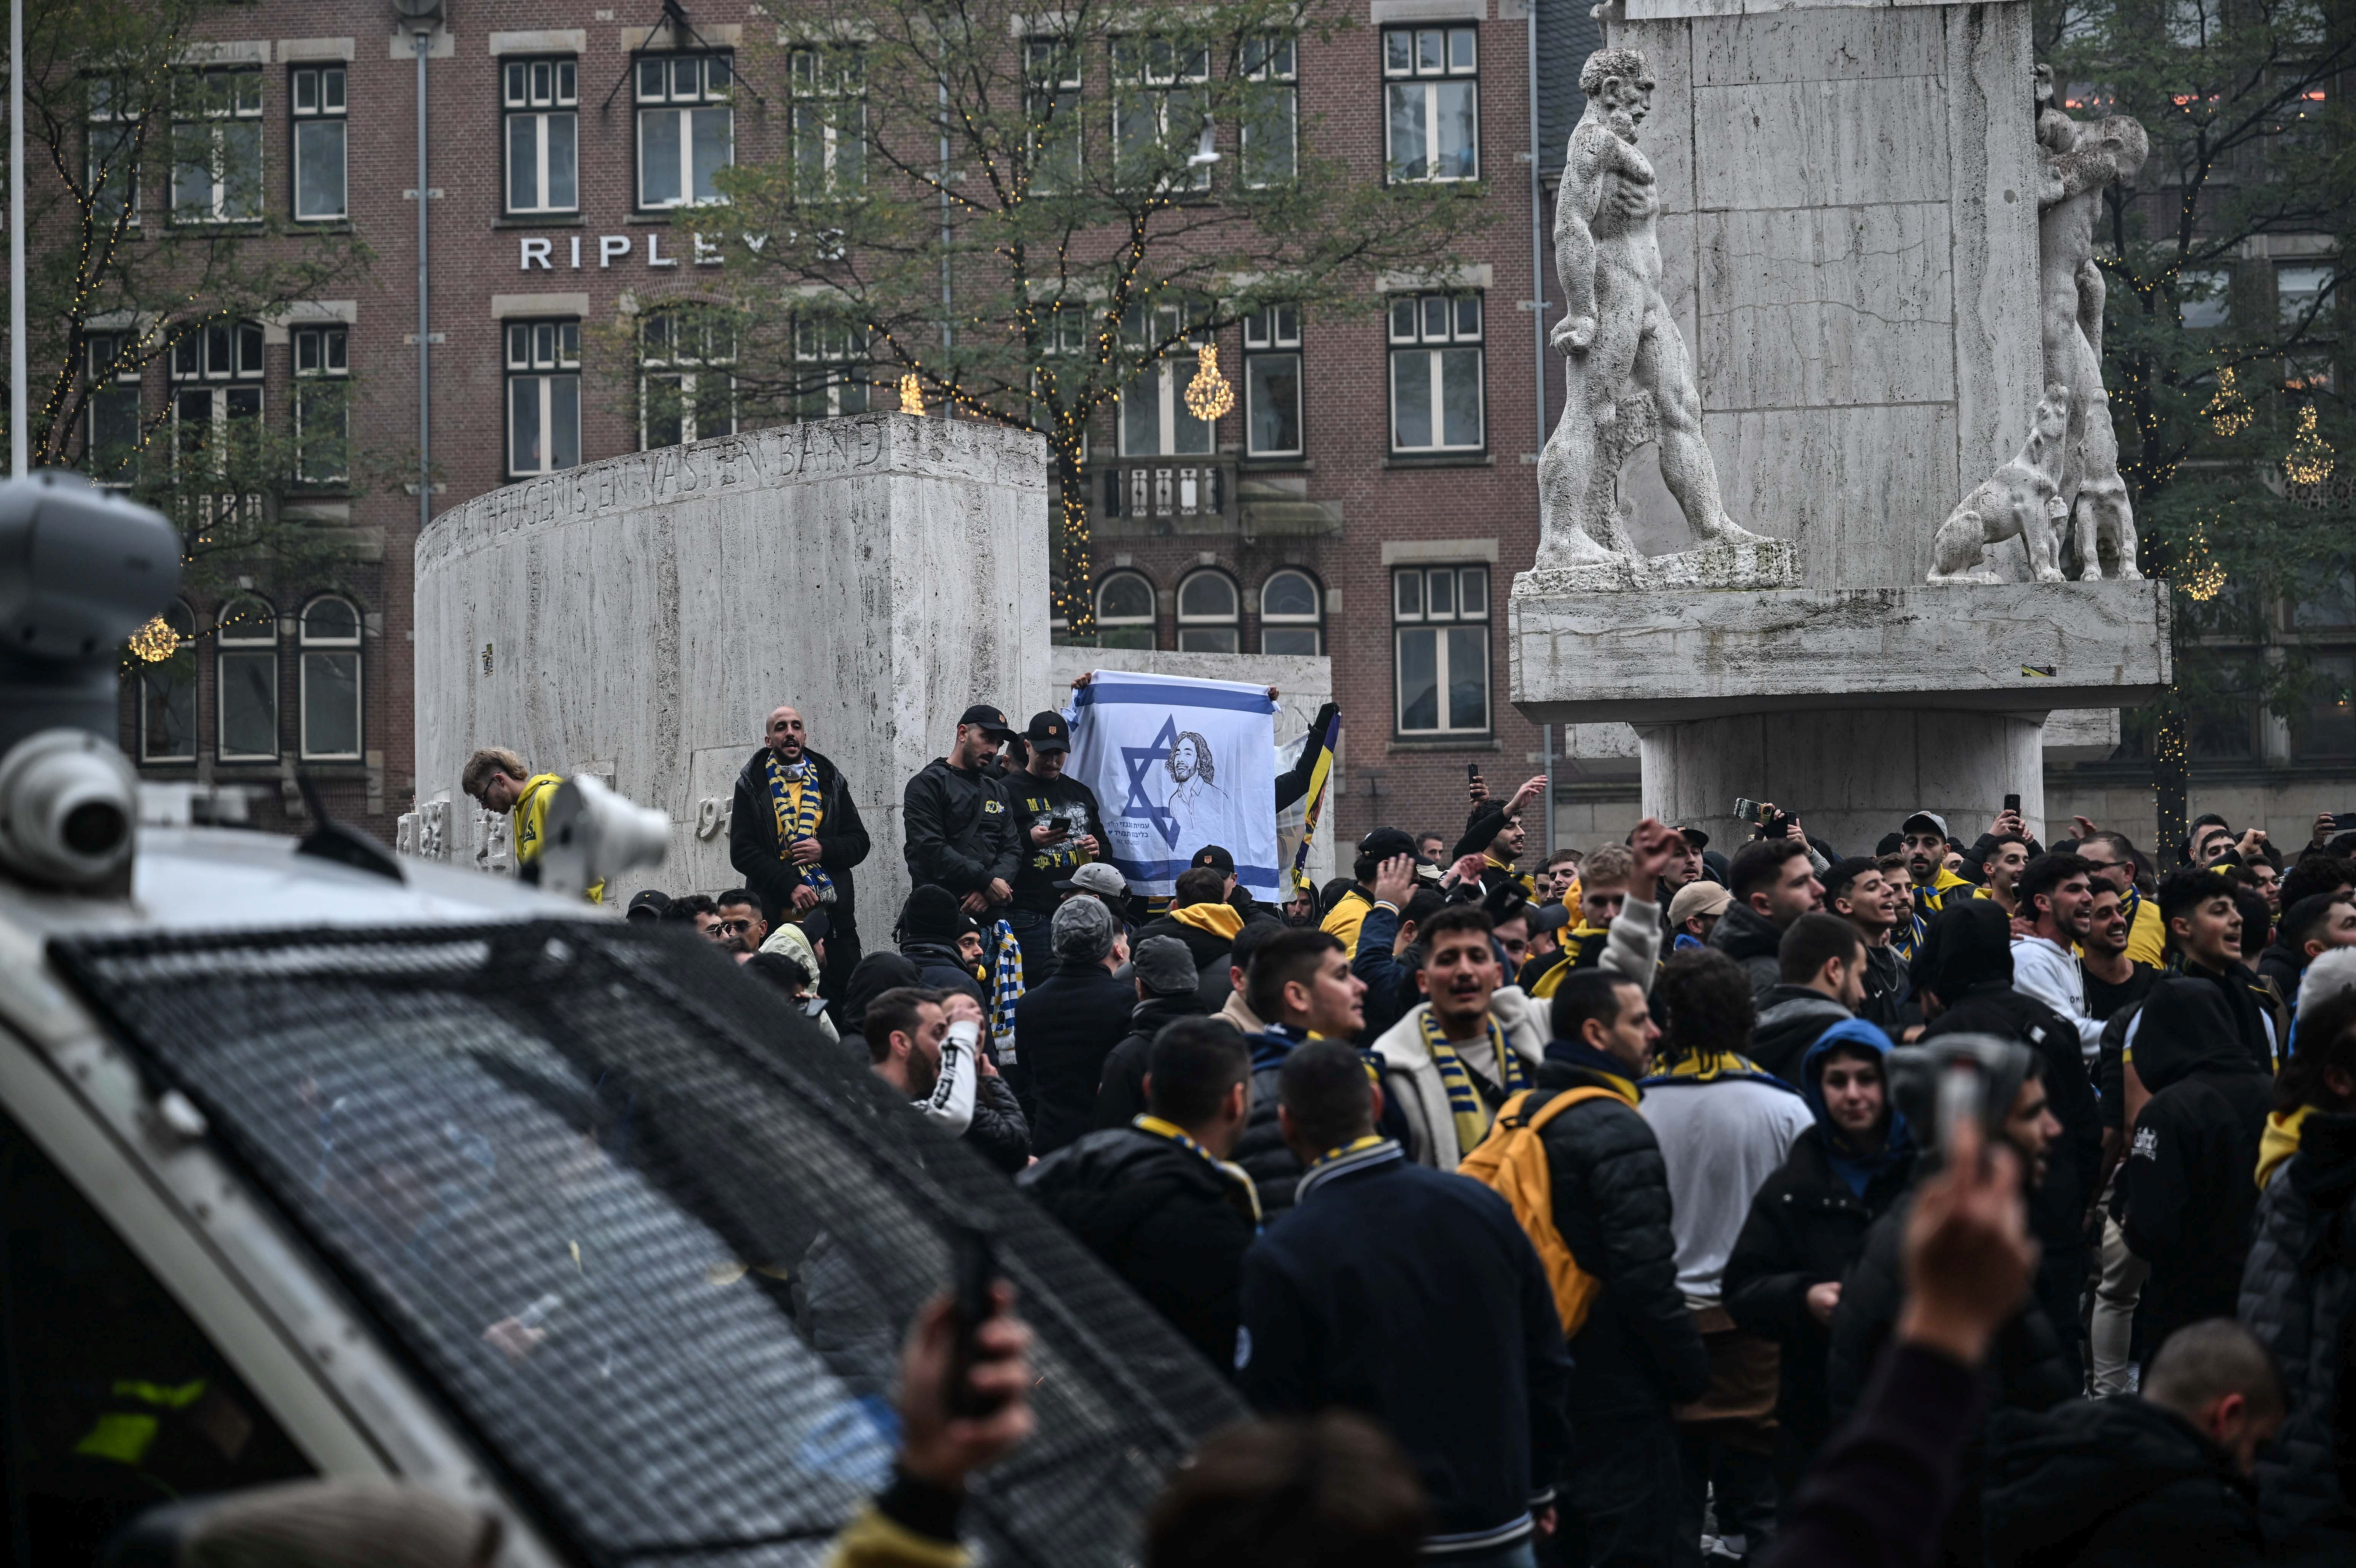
(961, 831)
(1058, 827)
(794, 834)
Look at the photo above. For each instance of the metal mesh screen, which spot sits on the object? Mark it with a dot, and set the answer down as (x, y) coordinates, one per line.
(653, 1238)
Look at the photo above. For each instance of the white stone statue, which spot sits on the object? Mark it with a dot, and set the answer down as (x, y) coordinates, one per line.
(2020, 500)
(2077, 161)
(1630, 377)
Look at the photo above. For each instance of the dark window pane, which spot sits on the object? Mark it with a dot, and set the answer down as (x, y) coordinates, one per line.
(1419, 680)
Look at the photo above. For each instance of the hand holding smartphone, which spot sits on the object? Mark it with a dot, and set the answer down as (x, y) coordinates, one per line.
(971, 1305)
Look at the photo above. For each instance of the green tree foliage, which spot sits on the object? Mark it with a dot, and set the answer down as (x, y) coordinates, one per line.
(2230, 407)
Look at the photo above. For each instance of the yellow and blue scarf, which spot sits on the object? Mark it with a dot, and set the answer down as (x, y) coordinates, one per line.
(1465, 1104)
(797, 812)
(1179, 1136)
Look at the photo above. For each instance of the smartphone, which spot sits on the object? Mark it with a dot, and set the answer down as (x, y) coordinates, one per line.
(976, 1266)
(1472, 772)
(2012, 804)
(1959, 1099)
(1747, 811)
(2342, 821)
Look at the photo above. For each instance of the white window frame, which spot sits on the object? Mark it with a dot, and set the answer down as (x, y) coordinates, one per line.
(546, 355)
(711, 89)
(1054, 74)
(1273, 65)
(108, 133)
(321, 357)
(317, 98)
(1144, 327)
(664, 356)
(1415, 614)
(538, 92)
(1274, 334)
(1411, 329)
(231, 113)
(1404, 71)
(234, 651)
(183, 622)
(841, 354)
(1313, 622)
(1139, 76)
(829, 94)
(1216, 632)
(310, 646)
(220, 362)
(1127, 627)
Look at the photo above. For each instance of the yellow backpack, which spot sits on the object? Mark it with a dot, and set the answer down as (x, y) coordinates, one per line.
(1512, 1161)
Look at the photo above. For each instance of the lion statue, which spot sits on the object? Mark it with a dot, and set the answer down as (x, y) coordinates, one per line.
(2023, 499)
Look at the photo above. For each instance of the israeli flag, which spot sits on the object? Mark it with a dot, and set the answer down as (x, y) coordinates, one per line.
(1178, 764)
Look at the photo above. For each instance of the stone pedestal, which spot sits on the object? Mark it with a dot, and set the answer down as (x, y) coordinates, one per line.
(638, 618)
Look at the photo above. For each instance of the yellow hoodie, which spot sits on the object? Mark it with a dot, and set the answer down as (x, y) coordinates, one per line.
(2279, 1142)
(1219, 920)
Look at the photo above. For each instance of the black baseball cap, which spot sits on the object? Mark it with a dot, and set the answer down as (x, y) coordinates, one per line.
(1048, 733)
(1218, 859)
(1694, 837)
(1385, 842)
(993, 723)
(647, 905)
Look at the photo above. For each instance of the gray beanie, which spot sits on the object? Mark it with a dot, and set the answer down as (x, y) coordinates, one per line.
(1083, 930)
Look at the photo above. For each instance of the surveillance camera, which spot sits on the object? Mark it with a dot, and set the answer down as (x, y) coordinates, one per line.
(594, 835)
(68, 805)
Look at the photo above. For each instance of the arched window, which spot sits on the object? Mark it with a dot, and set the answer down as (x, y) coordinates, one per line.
(330, 640)
(1206, 614)
(167, 695)
(246, 672)
(1291, 614)
(1124, 612)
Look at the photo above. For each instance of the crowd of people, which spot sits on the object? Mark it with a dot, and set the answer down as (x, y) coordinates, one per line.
(1624, 1208)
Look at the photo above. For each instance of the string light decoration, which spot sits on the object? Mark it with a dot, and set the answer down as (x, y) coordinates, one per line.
(154, 642)
(1209, 395)
(2200, 576)
(2309, 462)
(2228, 412)
(912, 394)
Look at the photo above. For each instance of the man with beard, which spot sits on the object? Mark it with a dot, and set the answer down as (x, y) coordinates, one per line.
(1924, 841)
(1495, 833)
(1454, 1058)
(2054, 894)
(1058, 828)
(960, 833)
(794, 834)
(927, 1046)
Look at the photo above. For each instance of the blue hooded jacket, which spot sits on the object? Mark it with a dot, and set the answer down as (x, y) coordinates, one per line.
(1856, 1169)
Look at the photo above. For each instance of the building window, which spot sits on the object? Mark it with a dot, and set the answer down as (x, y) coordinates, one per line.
(1157, 113)
(687, 390)
(687, 131)
(1272, 382)
(2204, 294)
(245, 669)
(543, 363)
(1154, 421)
(2298, 286)
(1206, 614)
(829, 121)
(1291, 614)
(1436, 373)
(323, 369)
(1125, 611)
(167, 695)
(1052, 70)
(217, 146)
(1432, 103)
(330, 642)
(317, 106)
(2326, 732)
(113, 407)
(541, 101)
(110, 170)
(831, 370)
(1439, 625)
(215, 393)
(1269, 137)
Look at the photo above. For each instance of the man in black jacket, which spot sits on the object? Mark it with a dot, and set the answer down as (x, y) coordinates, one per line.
(1166, 982)
(1155, 1197)
(1638, 1355)
(930, 925)
(794, 834)
(1200, 919)
(2192, 1164)
(961, 830)
(1773, 884)
(2156, 1481)
(1057, 828)
(1820, 964)
(1069, 1025)
(1413, 1295)
(2204, 926)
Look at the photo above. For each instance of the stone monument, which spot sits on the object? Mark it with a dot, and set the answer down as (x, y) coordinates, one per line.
(1845, 203)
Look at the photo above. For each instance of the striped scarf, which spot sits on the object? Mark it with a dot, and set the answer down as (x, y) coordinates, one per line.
(1006, 988)
(1464, 1104)
(1178, 1135)
(797, 814)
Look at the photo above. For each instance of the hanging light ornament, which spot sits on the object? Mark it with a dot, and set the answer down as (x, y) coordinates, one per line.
(2201, 577)
(154, 642)
(2228, 411)
(912, 394)
(1208, 395)
(2309, 462)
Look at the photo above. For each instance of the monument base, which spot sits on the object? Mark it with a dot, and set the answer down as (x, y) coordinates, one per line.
(1766, 563)
(1849, 708)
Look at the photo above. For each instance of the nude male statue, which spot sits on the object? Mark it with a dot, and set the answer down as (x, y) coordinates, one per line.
(1624, 347)
(2077, 161)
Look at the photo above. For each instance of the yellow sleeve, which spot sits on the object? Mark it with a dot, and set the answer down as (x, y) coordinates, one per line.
(1344, 921)
(872, 1540)
(2146, 937)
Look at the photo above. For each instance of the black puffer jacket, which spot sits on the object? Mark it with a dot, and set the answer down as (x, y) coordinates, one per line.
(2298, 1295)
(1066, 1028)
(843, 841)
(1273, 1167)
(1164, 1218)
(1639, 1350)
(1120, 1092)
(998, 1130)
(2113, 1483)
(2190, 1194)
(1745, 935)
(1805, 1229)
(1790, 1019)
(960, 828)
